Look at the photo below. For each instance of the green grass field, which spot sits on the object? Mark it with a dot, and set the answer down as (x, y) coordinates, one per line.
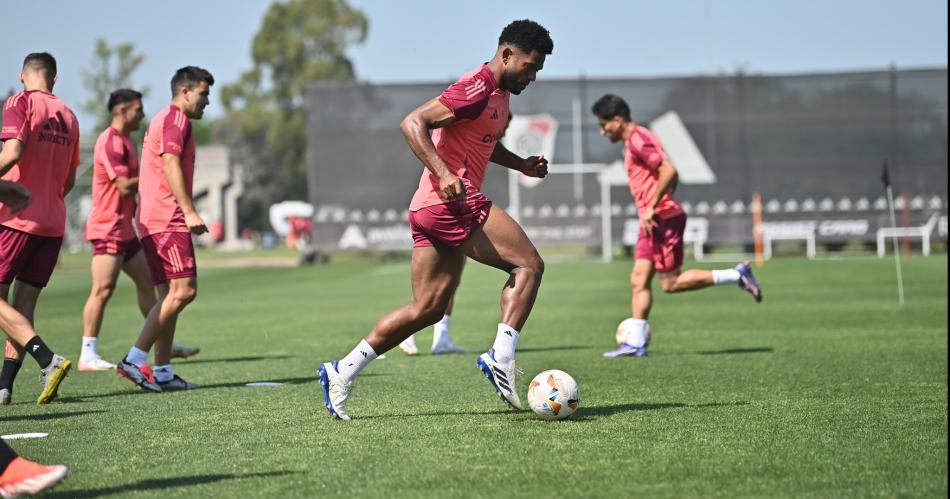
(826, 389)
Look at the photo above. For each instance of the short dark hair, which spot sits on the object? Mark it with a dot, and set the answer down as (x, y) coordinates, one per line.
(189, 77)
(43, 62)
(123, 96)
(528, 36)
(609, 106)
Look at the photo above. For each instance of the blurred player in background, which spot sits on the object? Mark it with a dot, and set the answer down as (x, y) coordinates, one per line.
(167, 219)
(659, 249)
(109, 228)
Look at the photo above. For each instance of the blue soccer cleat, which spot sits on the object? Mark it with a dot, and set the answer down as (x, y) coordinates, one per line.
(501, 376)
(335, 390)
(747, 281)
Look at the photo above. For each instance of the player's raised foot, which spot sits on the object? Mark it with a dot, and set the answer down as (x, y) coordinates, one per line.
(748, 282)
(95, 364)
(501, 376)
(51, 376)
(25, 478)
(180, 351)
(336, 390)
(6, 396)
(446, 347)
(408, 346)
(627, 350)
(143, 377)
(177, 383)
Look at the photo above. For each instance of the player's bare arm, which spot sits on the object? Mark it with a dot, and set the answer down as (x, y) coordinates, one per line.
(532, 166)
(70, 180)
(14, 195)
(12, 150)
(171, 167)
(127, 186)
(667, 179)
(415, 127)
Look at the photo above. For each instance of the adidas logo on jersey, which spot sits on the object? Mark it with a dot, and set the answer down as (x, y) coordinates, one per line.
(56, 131)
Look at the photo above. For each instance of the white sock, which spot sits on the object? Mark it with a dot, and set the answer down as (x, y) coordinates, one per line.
(164, 373)
(725, 276)
(440, 332)
(137, 357)
(506, 340)
(638, 333)
(355, 361)
(89, 348)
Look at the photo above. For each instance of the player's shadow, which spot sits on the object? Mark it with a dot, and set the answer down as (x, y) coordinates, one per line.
(249, 358)
(135, 392)
(732, 351)
(551, 349)
(47, 416)
(161, 483)
(609, 410)
(285, 381)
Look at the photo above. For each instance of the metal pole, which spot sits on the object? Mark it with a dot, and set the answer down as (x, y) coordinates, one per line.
(578, 148)
(897, 249)
(514, 196)
(606, 250)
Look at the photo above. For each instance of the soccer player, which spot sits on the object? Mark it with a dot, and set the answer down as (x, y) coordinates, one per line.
(40, 137)
(109, 227)
(442, 344)
(21, 477)
(659, 249)
(451, 219)
(167, 218)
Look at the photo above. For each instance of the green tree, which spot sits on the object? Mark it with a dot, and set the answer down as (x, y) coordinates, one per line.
(299, 42)
(111, 68)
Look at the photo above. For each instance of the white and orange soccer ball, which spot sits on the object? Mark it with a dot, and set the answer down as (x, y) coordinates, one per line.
(625, 334)
(553, 394)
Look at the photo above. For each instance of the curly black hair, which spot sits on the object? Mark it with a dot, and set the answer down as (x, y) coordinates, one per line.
(528, 36)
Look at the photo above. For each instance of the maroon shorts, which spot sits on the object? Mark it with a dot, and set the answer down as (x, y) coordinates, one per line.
(116, 247)
(170, 255)
(27, 258)
(664, 245)
(449, 224)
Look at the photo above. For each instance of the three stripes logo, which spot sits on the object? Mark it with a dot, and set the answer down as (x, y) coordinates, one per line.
(56, 130)
(501, 379)
(474, 89)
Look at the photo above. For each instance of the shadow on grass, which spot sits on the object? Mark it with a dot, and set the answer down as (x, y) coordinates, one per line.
(551, 349)
(731, 351)
(250, 358)
(161, 483)
(235, 384)
(48, 416)
(609, 410)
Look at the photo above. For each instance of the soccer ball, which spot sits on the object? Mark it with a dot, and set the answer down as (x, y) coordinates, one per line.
(553, 394)
(625, 334)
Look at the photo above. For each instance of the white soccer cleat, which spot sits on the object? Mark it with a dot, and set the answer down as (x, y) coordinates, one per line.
(408, 346)
(95, 364)
(447, 347)
(501, 376)
(336, 390)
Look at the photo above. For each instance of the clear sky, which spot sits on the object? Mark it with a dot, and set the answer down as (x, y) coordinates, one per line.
(425, 40)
